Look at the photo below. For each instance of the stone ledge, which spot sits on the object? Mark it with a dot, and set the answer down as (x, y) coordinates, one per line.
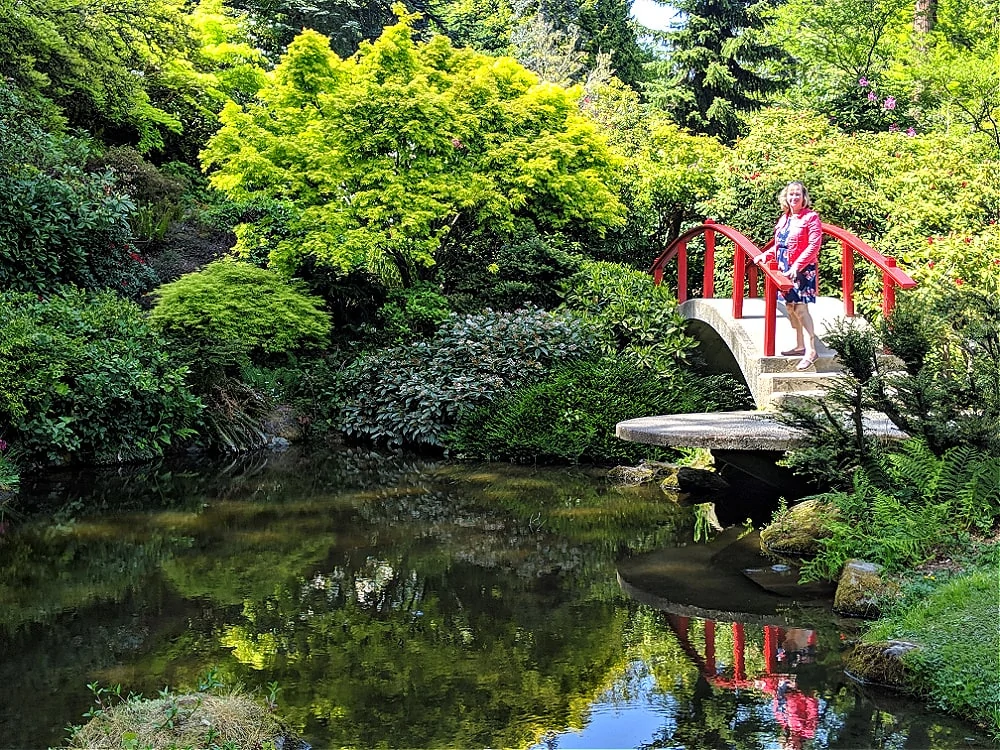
(731, 430)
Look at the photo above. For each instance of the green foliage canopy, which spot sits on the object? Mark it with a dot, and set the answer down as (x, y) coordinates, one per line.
(385, 155)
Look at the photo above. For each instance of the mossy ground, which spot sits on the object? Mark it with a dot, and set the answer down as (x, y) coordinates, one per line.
(183, 721)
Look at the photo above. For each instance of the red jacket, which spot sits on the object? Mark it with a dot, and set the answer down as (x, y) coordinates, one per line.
(805, 235)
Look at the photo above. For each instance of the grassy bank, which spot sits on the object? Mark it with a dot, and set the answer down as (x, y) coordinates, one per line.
(953, 611)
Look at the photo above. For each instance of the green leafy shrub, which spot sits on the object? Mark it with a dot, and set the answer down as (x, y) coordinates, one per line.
(87, 379)
(508, 270)
(571, 414)
(630, 312)
(414, 312)
(9, 476)
(413, 394)
(58, 223)
(231, 311)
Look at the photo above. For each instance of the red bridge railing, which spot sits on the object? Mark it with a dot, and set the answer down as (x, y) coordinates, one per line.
(748, 259)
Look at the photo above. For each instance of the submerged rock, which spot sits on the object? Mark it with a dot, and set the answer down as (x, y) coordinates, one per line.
(861, 588)
(795, 532)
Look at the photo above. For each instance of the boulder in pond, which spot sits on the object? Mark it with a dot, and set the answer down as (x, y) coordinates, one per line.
(700, 482)
(860, 589)
(795, 532)
(644, 473)
(882, 664)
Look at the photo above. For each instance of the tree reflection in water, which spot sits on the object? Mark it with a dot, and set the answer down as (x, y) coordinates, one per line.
(401, 603)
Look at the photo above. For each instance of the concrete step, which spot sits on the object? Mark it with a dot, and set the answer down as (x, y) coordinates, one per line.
(826, 362)
(784, 398)
(772, 385)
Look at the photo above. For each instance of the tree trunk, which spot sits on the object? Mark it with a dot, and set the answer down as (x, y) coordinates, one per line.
(924, 16)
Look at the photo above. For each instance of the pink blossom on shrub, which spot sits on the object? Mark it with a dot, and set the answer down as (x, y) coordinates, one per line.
(890, 102)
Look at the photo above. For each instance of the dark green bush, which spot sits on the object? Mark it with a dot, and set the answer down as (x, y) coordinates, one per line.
(505, 272)
(630, 312)
(413, 312)
(571, 415)
(85, 378)
(58, 223)
(413, 394)
(231, 312)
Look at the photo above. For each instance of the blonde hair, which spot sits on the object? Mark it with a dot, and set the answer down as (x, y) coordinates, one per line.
(783, 200)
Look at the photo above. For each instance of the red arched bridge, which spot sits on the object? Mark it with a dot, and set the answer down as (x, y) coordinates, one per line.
(748, 323)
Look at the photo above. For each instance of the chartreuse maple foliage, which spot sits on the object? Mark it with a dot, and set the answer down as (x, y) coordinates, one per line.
(380, 158)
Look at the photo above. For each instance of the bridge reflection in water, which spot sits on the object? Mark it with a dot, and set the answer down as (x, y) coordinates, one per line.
(796, 711)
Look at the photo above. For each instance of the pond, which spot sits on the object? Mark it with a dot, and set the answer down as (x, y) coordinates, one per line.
(392, 601)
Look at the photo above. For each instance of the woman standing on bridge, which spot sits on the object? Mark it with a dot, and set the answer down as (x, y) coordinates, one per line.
(797, 238)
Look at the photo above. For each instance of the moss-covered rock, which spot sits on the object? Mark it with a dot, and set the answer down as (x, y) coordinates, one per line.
(860, 589)
(881, 664)
(646, 472)
(794, 533)
(185, 721)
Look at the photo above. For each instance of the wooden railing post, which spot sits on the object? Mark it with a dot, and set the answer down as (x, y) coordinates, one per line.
(888, 288)
(847, 282)
(739, 278)
(770, 310)
(708, 277)
(682, 272)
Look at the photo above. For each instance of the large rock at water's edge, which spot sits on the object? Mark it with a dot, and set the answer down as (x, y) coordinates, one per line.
(881, 664)
(700, 482)
(794, 534)
(646, 472)
(861, 588)
(282, 422)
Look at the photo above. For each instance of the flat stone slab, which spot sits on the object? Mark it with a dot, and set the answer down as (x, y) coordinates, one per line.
(731, 430)
(724, 430)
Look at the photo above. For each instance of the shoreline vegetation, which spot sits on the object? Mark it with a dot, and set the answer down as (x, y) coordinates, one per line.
(432, 233)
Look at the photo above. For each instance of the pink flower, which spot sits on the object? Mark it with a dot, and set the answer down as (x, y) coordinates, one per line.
(863, 82)
(890, 102)
(3, 445)
(894, 128)
(911, 132)
(872, 96)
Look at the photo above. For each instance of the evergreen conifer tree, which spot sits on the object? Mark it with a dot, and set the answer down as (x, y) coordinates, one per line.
(717, 65)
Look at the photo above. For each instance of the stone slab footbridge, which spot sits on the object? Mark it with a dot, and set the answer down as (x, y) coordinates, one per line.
(743, 335)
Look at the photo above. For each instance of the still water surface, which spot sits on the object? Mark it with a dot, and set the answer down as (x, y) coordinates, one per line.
(403, 603)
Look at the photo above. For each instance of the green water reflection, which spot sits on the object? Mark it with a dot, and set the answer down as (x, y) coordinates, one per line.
(398, 603)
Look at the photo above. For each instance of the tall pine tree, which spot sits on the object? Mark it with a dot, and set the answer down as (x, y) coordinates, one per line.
(717, 65)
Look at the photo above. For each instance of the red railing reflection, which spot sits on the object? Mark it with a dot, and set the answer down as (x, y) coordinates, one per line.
(795, 711)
